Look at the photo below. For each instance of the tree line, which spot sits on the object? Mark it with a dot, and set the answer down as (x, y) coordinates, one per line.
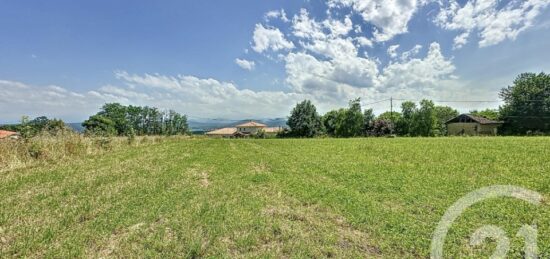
(117, 119)
(30, 128)
(526, 110)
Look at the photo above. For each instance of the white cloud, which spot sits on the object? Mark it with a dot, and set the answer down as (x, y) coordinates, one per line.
(338, 28)
(304, 27)
(391, 17)
(460, 40)
(335, 81)
(53, 101)
(245, 64)
(269, 39)
(364, 41)
(392, 50)
(274, 14)
(493, 21)
(412, 52)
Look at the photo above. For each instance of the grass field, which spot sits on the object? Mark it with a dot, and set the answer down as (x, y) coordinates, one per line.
(274, 198)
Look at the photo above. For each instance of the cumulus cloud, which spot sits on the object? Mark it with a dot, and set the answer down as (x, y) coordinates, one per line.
(493, 21)
(54, 101)
(268, 38)
(335, 81)
(392, 50)
(390, 17)
(276, 14)
(364, 41)
(245, 64)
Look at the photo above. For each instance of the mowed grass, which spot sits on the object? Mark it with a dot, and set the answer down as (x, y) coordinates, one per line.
(372, 197)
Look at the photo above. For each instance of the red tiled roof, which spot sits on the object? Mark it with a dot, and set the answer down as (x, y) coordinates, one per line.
(6, 133)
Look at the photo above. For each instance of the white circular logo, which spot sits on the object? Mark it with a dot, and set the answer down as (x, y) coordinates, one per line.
(528, 232)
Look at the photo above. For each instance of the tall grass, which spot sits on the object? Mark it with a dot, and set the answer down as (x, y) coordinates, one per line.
(47, 148)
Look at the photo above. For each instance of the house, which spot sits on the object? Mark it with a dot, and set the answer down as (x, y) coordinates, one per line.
(467, 124)
(244, 130)
(6, 134)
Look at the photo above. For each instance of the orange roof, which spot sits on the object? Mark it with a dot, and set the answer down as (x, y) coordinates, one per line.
(223, 131)
(252, 124)
(6, 133)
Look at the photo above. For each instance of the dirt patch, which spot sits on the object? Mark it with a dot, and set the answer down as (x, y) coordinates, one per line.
(260, 167)
(202, 176)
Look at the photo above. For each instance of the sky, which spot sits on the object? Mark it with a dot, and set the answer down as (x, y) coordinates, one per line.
(257, 59)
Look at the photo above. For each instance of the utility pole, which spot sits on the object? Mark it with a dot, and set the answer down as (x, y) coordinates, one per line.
(391, 114)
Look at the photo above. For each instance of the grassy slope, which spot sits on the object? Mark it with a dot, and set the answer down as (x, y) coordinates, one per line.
(322, 197)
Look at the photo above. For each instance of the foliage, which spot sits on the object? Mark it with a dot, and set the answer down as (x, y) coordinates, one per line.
(405, 125)
(121, 120)
(100, 125)
(350, 121)
(425, 120)
(368, 120)
(527, 104)
(330, 120)
(491, 114)
(304, 121)
(39, 125)
(390, 116)
(380, 128)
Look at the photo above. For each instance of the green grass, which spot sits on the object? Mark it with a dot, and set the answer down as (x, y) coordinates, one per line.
(273, 198)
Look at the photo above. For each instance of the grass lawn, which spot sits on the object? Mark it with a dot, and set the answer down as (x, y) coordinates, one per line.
(373, 197)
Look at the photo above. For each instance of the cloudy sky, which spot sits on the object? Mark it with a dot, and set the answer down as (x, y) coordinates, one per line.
(256, 59)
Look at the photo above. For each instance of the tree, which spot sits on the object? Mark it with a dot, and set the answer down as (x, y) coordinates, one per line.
(368, 120)
(390, 116)
(130, 120)
(443, 114)
(526, 104)
(304, 121)
(404, 126)
(424, 120)
(350, 122)
(491, 114)
(381, 127)
(100, 125)
(116, 113)
(330, 119)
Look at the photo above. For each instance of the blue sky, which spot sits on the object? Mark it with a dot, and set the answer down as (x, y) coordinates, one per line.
(256, 59)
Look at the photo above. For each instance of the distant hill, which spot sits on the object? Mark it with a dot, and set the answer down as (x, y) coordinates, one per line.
(76, 126)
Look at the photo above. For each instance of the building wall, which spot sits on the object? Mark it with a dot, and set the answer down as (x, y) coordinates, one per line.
(488, 129)
(471, 128)
(460, 128)
(252, 130)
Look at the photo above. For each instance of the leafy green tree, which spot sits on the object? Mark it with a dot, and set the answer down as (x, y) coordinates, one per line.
(443, 114)
(381, 127)
(304, 121)
(491, 114)
(404, 126)
(330, 119)
(117, 114)
(350, 122)
(100, 125)
(425, 120)
(390, 116)
(368, 120)
(527, 104)
(130, 120)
